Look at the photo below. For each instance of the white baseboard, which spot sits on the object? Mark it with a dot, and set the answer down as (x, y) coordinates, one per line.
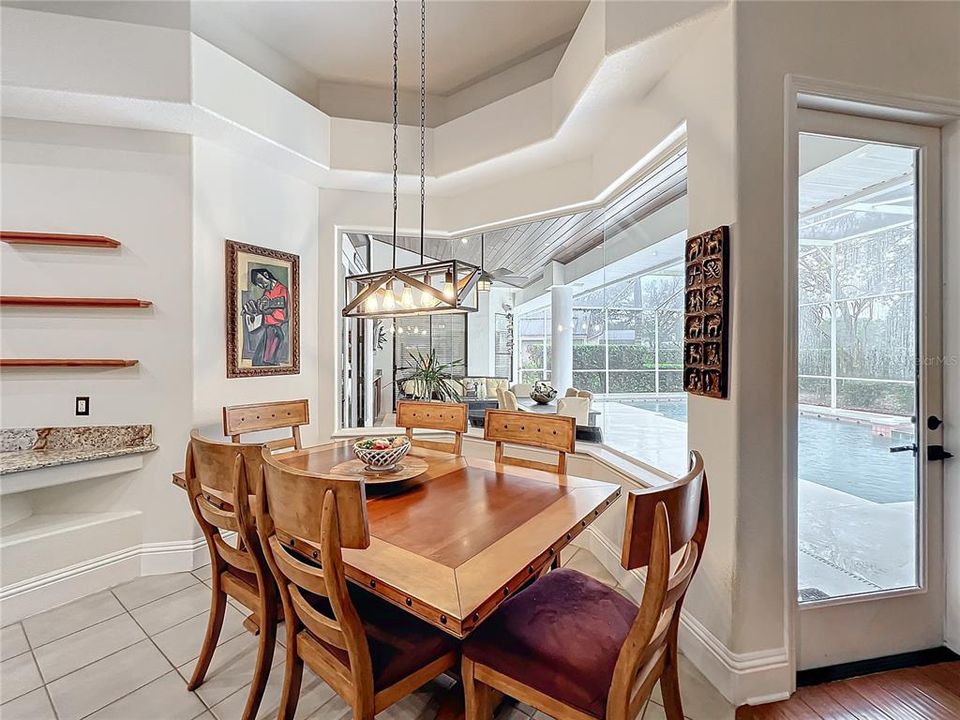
(47, 591)
(743, 678)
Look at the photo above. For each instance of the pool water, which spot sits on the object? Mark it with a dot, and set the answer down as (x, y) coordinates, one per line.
(844, 456)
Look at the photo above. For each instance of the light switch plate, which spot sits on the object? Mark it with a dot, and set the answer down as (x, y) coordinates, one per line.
(83, 405)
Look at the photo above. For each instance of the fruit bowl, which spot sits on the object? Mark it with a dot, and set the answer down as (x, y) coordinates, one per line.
(382, 454)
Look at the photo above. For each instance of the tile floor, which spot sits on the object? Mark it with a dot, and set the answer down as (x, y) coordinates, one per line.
(124, 654)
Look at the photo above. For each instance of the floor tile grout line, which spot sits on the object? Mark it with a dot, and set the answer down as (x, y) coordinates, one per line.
(125, 695)
(53, 707)
(47, 682)
(36, 665)
(220, 641)
(124, 609)
(26, 692)
(161, 597)
(175, 668)
(94, 662)
(74, 632)
(150, 638)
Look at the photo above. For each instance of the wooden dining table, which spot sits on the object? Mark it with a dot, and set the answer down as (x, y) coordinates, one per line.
(452, 544)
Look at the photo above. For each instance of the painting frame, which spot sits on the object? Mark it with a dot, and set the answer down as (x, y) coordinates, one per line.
(239, 259)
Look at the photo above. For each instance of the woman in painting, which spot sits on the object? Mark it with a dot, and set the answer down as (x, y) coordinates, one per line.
(265, 318)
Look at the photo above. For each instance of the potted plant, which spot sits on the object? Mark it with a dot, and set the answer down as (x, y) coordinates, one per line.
(430, 379)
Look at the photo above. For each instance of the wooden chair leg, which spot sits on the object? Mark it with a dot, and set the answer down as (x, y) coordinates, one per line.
(218, 607)
(479, 699)
(670, 679)
(261, 673)
(292, 676)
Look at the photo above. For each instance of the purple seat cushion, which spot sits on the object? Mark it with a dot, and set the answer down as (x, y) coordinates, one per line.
(399, 643)
(560, 636)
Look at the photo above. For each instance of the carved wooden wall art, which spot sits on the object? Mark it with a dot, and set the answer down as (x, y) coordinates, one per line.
(706, 319)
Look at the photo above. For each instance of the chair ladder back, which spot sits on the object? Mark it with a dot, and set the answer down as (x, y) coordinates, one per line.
(217, 476)
(549, 432)
(660, 522)
(258, 417)
(687, 505)
(317, 513)
(644, 652)
(449, 417)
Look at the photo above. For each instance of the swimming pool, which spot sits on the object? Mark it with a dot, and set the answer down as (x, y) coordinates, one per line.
(837, 454)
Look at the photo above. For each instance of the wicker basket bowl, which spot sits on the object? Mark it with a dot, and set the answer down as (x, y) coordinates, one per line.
(383, 460)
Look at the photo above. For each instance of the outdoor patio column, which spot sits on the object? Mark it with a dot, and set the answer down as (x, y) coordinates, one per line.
(561, 337)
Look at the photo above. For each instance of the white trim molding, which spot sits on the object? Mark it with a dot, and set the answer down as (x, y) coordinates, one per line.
(751, 678)
(44, 592)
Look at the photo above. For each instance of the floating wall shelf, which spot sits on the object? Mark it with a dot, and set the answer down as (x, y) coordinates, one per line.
(58, 239)
(65, 362)
(42, 301)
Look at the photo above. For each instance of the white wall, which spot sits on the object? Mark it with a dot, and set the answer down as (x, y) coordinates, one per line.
(896, 48)
(135, 187)
(239, 199)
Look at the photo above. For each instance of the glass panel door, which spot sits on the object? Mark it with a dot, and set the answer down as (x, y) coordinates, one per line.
(857, 455)
(869, 490)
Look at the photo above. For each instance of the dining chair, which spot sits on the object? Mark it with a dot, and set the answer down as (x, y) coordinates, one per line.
(259, 417)
(575, 407)
(551, 432)
(370, 652)
(507, 400)
(521, 390)
(576, 649)
(586, 394)
(219, 478)
(451, 417)
(571, 392)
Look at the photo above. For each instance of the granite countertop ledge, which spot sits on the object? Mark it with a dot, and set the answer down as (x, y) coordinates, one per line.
(24, 449)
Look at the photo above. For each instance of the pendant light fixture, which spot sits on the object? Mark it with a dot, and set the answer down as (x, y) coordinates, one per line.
(444, 286)
(486, 279)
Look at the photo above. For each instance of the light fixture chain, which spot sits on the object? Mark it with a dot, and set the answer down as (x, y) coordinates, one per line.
(423, 113)
(396, 93)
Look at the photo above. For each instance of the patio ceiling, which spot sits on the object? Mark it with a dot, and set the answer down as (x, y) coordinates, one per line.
(523, 251)
(853, 172)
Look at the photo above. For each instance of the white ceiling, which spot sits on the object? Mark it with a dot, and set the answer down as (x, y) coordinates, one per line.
(351, 41)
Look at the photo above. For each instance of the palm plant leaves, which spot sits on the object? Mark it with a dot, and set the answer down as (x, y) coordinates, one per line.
(431, 378)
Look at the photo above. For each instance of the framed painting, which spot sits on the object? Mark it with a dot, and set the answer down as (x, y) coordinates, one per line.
(263, 311)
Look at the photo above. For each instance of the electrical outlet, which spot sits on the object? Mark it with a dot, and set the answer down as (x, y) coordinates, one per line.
(83, 405)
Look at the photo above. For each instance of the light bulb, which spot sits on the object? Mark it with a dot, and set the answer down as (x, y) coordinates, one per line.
(427, 300)
(371, 305)
(406, 297)
(448, 293)
(389, 301)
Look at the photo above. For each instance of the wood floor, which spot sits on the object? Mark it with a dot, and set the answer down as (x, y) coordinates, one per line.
(925, 693)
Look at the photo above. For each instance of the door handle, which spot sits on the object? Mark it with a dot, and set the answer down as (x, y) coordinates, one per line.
(936, 452)
(905, 448)
(933, 422)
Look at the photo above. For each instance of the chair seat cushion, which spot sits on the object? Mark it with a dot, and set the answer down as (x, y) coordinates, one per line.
(560, 636)
(399, 643)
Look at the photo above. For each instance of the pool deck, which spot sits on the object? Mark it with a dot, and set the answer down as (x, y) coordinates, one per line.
(848, 545)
